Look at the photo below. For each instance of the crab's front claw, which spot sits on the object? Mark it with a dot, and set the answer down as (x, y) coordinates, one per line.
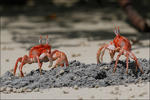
(50, 63)
(99, 53)
(111, 47)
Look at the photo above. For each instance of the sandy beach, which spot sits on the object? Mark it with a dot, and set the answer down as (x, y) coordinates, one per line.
(21, 33)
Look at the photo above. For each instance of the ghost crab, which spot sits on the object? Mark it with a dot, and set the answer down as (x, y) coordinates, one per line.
(39, 54)
(119, 44)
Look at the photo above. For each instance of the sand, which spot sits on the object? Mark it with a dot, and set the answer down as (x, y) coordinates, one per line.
(15, 41)
(140, 91)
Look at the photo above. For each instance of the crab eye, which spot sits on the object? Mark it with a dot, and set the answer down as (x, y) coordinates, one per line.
(40, 41)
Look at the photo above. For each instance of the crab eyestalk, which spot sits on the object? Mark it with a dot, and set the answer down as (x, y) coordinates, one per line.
(40, 40)
(47, 40)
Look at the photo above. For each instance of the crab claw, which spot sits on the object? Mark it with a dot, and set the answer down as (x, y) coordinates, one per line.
(50, 62)
(111, 47)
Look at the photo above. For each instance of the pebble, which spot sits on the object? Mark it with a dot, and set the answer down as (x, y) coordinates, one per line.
(9, 89)
(24, 89)
(80, 98)
(130, 89)
(9, 78)
(61, 72)
(14, 90)
(138, 85)
(116, 98)
(137, 52)
(3, 89)
(65, 92)
(140, 81)
(12, 70)
(96, 86)
(142, 94)
(41, 91)
(76, 87)
(76, 55)
(36, 90)
(132, 96)
(19, 90)
(116, 88)
(6, 92)
(105, 67)
(92, 96)
(7, 60)
(125, 85)
(114, 92)
(28, 90)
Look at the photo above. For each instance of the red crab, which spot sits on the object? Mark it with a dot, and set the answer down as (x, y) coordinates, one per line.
(119, 44)
(60, 57)
(37, 54)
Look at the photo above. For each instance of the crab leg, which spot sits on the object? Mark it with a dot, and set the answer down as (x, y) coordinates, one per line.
(58, 62)
(127, 65)
(120, 53)
(99, 53)
(66, 62)
(103, 54)
(62, 65)
(39, 63)
(16, 65)
(24, 61)
(50, 59)
(112, 53)
(20, 68)
(137, 63)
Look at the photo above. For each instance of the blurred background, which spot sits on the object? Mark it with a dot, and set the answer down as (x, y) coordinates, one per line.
(91, 19)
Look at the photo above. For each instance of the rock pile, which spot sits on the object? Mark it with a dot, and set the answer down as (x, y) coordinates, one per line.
(76, 75)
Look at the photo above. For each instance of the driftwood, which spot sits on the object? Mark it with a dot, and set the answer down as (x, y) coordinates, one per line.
(133, 16)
